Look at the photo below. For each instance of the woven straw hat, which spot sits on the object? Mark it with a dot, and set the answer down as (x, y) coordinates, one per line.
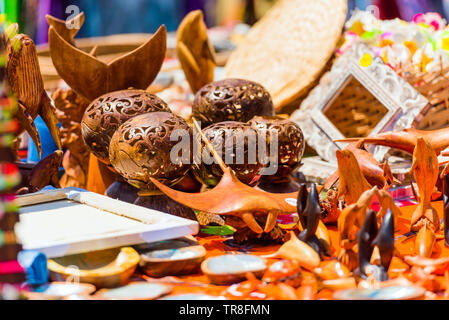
(289, 47)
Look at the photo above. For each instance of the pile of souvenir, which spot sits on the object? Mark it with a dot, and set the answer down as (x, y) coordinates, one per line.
(159, 203)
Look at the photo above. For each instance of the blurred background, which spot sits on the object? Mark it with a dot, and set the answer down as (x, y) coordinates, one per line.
(106, 17)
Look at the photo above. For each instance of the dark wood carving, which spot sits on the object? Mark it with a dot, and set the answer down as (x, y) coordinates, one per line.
(231, 100)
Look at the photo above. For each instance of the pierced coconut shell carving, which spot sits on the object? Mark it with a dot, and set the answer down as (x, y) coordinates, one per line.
(194, 51)
(291, 146)
(141, 149)
(231, 100)
(108, 112)
(26, 81)
(91, 78)
(229, 139)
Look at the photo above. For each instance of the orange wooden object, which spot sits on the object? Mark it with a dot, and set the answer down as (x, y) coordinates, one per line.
(99, 177)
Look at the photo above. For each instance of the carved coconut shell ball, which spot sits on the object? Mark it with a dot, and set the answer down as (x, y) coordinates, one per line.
(142, 148)
(231, 100)
(291, 142)
(106, 113)
(224, 138)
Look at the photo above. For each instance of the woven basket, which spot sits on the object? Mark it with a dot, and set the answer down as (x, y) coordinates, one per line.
(435, 87)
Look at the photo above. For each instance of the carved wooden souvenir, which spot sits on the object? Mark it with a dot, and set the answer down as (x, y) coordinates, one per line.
(285, 271)
(26, 82)
(236, 142)
(195, 52)
(92, 78)
(61, 26)
(232, 268)
(231, 100)
(360, 96)
(446, 209)
(171, 258)
(352, 181)
(291, 146)
(425, 169)
(108, 112)
(70, 109)
(135, 291)
(352, 218)
(104, 269)
(299, 251)
(425, 219)
(245, 235)
(375, 173)
(141, 149)
(232, 197)
(43, 174)
(309, 211)
(59, 290)
(370, 237)
(407, 139)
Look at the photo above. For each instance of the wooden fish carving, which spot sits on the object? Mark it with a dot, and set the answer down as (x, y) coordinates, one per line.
(425, 170)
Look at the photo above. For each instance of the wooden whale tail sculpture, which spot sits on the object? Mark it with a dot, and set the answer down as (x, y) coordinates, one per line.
(26, 82)
(195, 52)
(91, 78)
(67, 29)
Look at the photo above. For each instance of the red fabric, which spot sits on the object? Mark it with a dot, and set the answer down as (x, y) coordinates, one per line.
(388, 9)
(8, 267)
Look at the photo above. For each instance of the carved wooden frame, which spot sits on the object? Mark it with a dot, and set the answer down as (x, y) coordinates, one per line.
(402, 101)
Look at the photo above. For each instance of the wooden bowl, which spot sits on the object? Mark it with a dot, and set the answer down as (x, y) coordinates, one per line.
(172, 257)
(60, 290)
(232, 268)
(104, 269)
(135, 291)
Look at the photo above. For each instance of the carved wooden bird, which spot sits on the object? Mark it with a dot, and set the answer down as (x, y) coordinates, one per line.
(26, 82)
